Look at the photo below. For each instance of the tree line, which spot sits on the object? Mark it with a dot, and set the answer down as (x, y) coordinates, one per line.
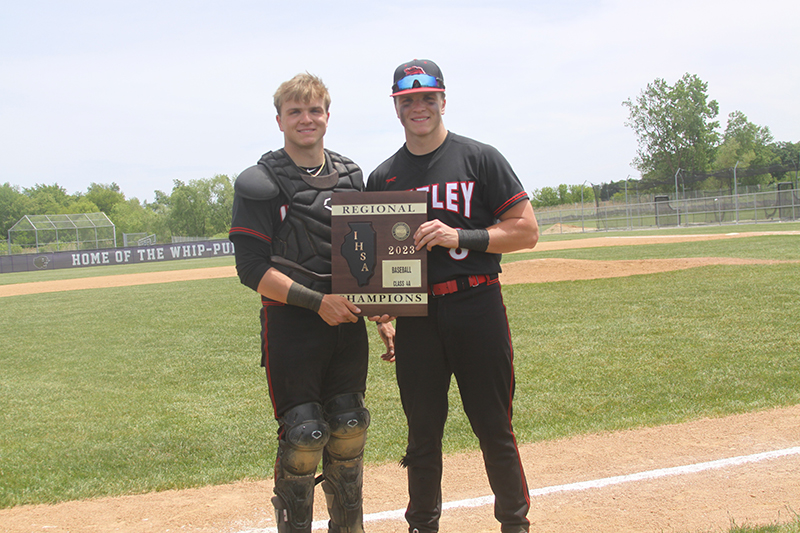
(679, 139)
(199, 208)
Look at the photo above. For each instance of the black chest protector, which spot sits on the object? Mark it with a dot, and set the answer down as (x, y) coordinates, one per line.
(302, 243)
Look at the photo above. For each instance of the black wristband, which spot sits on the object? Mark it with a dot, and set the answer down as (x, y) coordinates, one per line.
(473, 239)
(302, 296)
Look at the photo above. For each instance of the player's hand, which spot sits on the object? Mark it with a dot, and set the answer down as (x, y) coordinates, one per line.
(435, 233)
(386, 331)
(336, 310)
(382, 319)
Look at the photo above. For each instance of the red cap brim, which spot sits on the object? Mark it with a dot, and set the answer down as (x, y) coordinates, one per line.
(418, 90)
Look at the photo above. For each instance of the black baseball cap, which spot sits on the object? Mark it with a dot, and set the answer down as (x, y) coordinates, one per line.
(420, 75)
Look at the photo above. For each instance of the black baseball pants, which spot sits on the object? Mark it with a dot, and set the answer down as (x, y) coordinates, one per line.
(306, 359)
(465, 335)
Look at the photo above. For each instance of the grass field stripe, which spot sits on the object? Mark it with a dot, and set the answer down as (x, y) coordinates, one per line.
(581, 485)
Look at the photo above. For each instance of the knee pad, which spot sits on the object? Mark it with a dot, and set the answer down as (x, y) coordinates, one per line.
(348, 420)
(304, 435)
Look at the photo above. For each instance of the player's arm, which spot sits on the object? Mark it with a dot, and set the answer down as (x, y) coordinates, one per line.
(255, 271)
(516, 230)
(333, 309)
(386, 331)
(256, 200)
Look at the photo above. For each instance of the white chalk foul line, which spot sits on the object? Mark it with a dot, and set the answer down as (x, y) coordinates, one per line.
(581, 485)
(666, 472)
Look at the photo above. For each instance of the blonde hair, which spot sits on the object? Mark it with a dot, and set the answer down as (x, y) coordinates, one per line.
(302, 88)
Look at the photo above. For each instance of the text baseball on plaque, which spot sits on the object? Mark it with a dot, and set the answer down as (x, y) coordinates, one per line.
(374, 262)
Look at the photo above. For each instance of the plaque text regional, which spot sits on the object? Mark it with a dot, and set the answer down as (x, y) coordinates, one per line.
(374, 262)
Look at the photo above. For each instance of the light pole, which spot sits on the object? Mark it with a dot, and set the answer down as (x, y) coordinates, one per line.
(677, 210)
(583, 228)
(796, 170)
(627, 213)
(794, 191)
(794, 187)
(736, 192)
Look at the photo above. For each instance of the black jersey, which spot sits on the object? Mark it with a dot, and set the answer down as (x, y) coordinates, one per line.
(469, 184)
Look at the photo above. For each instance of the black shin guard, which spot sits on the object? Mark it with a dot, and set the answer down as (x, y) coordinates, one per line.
(342, 461)
(342, 487)
(294, 503)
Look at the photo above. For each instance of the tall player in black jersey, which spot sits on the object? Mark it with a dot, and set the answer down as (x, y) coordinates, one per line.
(313, 344)
(478, 210)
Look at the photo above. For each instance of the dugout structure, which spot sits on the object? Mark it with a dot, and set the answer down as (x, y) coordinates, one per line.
(56, 233)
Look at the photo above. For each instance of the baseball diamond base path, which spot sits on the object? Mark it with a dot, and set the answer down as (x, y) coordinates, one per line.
(761, 492)
(759, 489)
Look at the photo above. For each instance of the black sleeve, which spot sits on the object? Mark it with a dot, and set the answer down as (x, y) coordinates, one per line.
(252, 259)
(505, 190)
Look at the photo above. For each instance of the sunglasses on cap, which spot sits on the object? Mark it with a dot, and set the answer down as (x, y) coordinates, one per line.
(417, 81)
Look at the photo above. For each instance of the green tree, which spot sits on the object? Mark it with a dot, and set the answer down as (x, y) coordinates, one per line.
(200, 208)
(131, 216)
(80, 204)
(105, 197)
(750, 137)
(13, 206)
(751, 144)
(564, 196)
(575, 192)
(188, 209)
(544, 197)
(787, 154)
(221, 198)
(675, 129)
(561, 195)
(47, 199)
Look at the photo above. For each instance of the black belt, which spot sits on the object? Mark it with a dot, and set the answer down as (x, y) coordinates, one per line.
(460, 284)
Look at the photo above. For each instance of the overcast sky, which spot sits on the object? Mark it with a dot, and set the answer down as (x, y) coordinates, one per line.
(146, 92)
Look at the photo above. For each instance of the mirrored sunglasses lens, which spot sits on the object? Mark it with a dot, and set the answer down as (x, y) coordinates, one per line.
(423, 79)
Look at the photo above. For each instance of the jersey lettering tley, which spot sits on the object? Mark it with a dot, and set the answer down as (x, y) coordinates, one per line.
(455, 197)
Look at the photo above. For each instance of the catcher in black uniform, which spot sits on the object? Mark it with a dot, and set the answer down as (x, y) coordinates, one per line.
(478, 210)
(314, 346)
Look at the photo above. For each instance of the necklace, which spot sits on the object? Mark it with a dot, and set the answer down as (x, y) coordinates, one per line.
(315, 171)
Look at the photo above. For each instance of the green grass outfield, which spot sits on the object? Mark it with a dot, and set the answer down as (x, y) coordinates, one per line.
(791, 527)
(136, 389)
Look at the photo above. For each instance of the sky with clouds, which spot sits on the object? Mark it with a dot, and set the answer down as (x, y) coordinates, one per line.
(144, 93)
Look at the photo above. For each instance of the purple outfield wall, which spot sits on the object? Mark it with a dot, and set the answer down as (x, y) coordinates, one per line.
(115, 256)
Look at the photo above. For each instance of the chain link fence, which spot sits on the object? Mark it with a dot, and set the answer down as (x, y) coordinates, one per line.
(53, 233)
(666, 211)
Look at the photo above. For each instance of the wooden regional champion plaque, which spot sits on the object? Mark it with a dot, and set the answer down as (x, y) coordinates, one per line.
(374, 262)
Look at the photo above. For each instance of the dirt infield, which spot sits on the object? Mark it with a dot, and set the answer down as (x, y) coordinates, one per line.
(580, 482)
